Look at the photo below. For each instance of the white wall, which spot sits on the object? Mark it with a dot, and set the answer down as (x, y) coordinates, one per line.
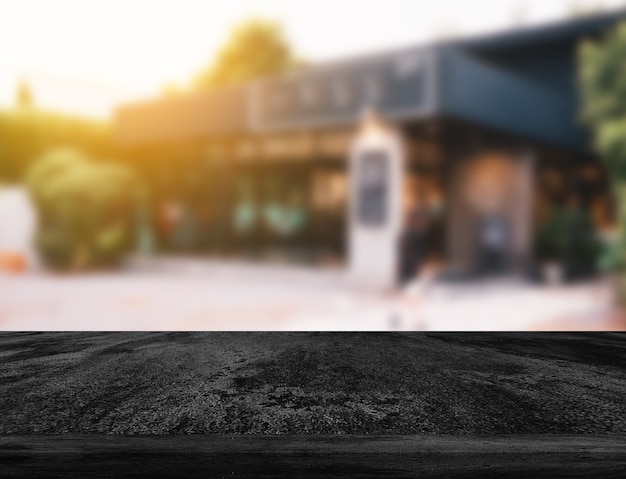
(17, 222)
(374, 249)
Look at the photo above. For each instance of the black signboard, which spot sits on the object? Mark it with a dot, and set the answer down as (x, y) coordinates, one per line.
(372, 188)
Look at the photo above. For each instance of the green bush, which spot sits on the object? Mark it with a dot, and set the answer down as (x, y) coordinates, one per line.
(609, 260)
(55, 247)
(109, 244)
(568, 239)
(86, 210)
(603, 94)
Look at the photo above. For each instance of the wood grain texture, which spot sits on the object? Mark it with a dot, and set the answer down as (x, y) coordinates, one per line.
(71, 456)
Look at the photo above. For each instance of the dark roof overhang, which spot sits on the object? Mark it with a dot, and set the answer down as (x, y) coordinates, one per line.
(443, 80)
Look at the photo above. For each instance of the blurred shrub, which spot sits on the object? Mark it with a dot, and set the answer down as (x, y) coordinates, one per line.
(609, 260)
(567, 238)
(86, 210)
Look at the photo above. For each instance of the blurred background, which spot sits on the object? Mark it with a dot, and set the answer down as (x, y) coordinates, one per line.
(185, 165)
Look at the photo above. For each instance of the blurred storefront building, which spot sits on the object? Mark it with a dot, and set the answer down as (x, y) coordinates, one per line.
(491, 134)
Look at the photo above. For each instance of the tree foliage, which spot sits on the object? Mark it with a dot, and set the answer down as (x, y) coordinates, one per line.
(603, 89)
(257, 48)
(28, 133)
(85, 208)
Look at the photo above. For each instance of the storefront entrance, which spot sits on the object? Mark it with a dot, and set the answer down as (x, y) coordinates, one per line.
(490, 224)
(286, 210)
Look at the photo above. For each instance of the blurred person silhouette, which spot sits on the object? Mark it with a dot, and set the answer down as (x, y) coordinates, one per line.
(415, 273)
(414, 242)
(494, 238)
(168, 218)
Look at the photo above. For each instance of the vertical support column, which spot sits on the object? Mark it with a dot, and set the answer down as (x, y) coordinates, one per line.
(462, 226)
(376, 176)
(523, 237)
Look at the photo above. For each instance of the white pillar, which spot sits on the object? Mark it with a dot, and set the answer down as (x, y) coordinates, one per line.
(376, 173)
(523, 239)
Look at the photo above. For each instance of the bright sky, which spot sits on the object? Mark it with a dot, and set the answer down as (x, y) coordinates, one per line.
(86, 56)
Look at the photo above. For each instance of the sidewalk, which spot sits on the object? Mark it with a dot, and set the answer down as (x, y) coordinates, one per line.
(516, 305)
(192, 294)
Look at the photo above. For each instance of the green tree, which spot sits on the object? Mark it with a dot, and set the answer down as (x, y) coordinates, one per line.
(257, 48)
(86, 209)
(27, 133)
(603, 89)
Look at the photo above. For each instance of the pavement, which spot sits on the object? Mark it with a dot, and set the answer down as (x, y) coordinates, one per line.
(193, 294)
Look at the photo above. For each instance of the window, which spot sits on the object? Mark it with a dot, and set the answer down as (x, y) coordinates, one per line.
(372, 179)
